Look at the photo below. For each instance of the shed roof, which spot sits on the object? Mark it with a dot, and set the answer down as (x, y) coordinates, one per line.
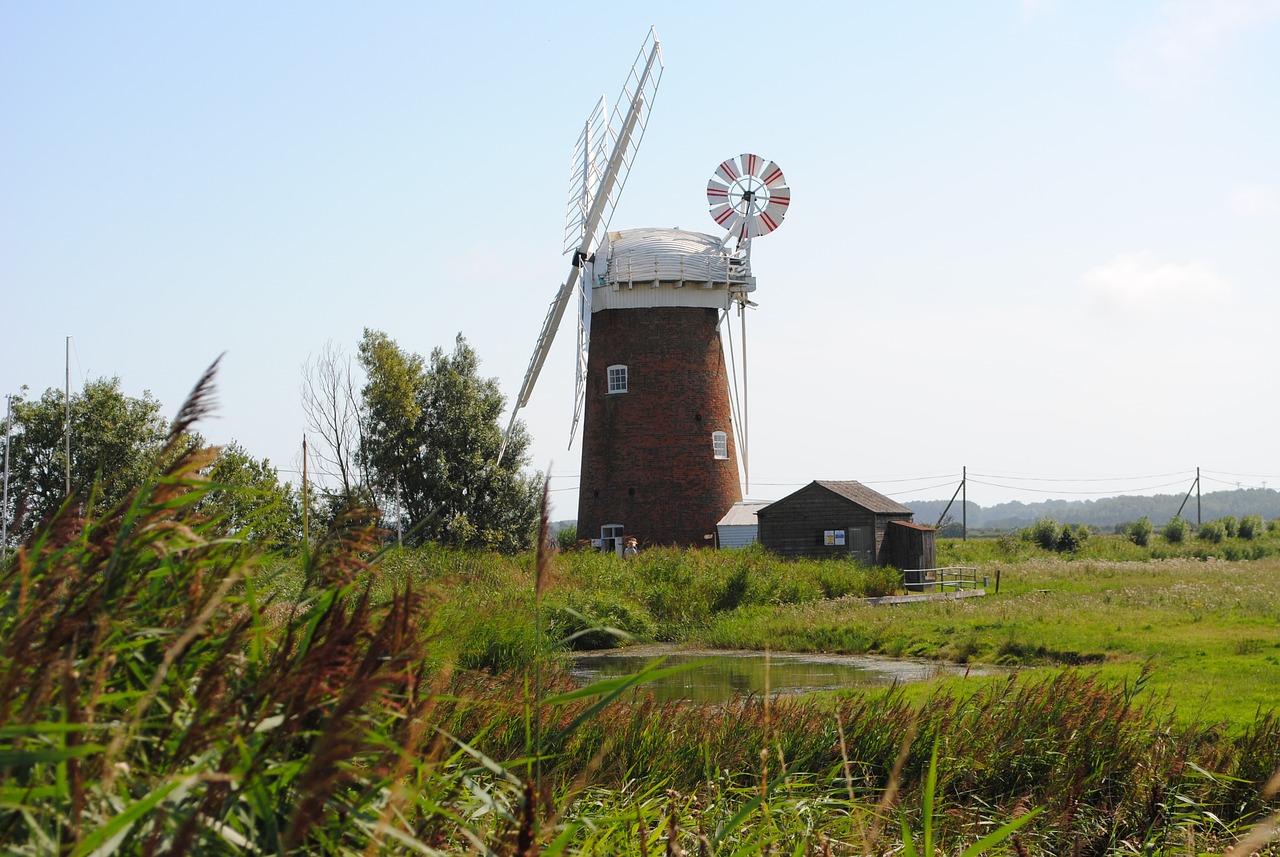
(865, 497)
(741, 515)
(914, 526)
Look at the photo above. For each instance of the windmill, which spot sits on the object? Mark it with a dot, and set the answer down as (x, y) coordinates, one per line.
(659, 458)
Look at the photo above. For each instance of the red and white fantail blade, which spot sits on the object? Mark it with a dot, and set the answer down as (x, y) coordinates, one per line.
(751, 164)
(772, 175)
(727, 171)
(724, 215)
(717, 192)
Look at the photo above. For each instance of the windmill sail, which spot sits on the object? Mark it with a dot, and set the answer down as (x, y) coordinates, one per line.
(626, 129)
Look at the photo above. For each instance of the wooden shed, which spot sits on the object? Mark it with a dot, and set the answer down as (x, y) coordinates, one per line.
(832, 519)
(910, 546)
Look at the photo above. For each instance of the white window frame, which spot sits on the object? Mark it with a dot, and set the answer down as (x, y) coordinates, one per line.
(617, 373)
(720, 445)
(611, 538)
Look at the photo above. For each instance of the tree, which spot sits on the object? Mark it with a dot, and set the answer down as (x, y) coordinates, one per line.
(1175, 531)
(114, 443)
(431, 437)
(1139, 532)
(331, 404)
(247, 496)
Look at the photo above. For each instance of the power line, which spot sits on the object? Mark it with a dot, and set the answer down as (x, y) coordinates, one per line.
(1083, 478)
(1109, 493)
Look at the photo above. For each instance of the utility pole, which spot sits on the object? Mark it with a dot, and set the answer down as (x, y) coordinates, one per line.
(4, 508)
(964, 503)
(1198, 521)
(306, 499)
(67, 424)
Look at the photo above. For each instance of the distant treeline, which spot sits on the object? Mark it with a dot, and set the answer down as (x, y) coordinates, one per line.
(1107, 512)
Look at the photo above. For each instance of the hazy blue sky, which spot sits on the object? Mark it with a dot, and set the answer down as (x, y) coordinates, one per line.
(1038, 238)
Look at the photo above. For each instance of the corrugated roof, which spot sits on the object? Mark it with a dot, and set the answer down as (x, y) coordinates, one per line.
(741, 515)
(864, 497)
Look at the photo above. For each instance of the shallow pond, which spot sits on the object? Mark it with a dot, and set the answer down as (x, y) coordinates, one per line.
(720, 676)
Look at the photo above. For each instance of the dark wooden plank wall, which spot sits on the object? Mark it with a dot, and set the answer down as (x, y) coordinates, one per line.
(794, 527)
(909, 548)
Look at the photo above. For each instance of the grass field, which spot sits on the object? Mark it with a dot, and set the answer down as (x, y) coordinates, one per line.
(164, 690)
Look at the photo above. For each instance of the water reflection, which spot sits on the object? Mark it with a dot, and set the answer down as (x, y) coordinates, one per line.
(720, 676)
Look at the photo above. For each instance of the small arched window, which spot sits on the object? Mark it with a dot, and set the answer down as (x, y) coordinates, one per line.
(720, 444)
(618, 379)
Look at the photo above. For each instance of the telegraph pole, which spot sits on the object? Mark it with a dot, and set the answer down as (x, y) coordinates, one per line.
(305, 497)
(4, 508)
(67, 426)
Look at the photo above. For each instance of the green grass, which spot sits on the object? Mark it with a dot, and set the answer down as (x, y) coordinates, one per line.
(1209, 629)
(163, 689)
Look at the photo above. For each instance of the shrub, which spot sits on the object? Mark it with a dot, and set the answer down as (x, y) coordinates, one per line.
(1231, 526)
(1139, 532)
(1044, 532)
(1175, 532)
(1068, 540)
(566, 538)
(1212, 531)
(1250, 527)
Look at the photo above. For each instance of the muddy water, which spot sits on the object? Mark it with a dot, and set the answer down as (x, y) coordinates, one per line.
(718, 677)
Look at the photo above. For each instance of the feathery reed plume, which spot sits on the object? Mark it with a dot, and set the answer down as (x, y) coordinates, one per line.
(1272, 785)
(526, 838)
(199, 404)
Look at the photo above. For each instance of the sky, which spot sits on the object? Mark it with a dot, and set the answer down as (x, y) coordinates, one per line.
(1036, 240)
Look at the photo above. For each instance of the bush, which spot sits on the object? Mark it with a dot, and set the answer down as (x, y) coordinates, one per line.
(1044, 532)
(1068, 540)
(1175, 532)
(1139, 532)
(1212, 531)
(1250, 527)
(1231, 526)
(566, 538)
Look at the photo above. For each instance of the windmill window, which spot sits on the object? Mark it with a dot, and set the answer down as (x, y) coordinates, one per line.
(618, 379)
(720, 444)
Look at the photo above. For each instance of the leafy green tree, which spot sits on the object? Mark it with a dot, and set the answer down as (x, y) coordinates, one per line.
(1212, 531)
(1068, 540)
(430, 443)
(1175, 532)
(1139, 532)
(114, 443)
(248, 499)
(1250, 527)
(1044, 532)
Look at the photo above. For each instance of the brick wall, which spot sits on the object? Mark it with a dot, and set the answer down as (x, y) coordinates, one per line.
(647, 460)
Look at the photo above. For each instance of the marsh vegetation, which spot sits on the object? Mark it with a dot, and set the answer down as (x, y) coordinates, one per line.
(166, 689)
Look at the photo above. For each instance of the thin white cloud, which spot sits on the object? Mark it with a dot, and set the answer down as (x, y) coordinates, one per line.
(1140, 284)
(1190, 36)
(1035, 8)
(1254, 201)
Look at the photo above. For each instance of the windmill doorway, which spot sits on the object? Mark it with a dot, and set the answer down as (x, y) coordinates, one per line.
(611, 538)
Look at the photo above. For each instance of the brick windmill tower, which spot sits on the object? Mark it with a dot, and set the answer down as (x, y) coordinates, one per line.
(659, 452)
